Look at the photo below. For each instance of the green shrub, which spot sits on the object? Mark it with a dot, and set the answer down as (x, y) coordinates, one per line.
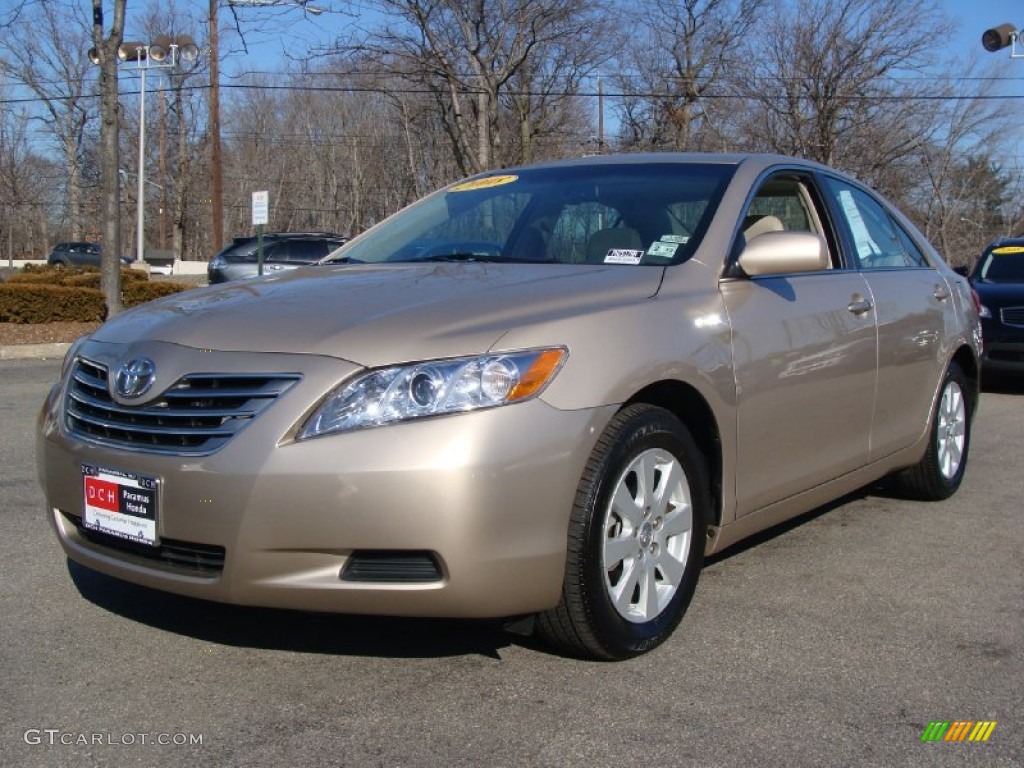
(46, 294)
(135, 293)
(83, 277)
(31, 303)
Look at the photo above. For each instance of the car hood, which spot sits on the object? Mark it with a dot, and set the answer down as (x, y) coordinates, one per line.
(1000, 294)
(381, 314)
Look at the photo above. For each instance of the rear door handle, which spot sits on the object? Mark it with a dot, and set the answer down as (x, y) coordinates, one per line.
(940, 293)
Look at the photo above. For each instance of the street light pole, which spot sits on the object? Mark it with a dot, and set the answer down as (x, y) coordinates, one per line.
(163, 53)
(140, 244)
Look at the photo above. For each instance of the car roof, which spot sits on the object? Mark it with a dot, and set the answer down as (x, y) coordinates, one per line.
(766, 160)
(1003, 241)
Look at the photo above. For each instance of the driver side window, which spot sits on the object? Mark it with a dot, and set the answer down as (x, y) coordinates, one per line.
(783, 203)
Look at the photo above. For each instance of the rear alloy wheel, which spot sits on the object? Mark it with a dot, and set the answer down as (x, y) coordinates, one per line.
(636, 539)
(939, 473)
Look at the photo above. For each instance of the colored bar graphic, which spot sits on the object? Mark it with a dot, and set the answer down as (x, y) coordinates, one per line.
(982, 731)
(958, 730)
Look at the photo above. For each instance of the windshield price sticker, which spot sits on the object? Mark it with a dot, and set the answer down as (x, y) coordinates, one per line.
(623, 256)
(120, 504)
(1008, 249)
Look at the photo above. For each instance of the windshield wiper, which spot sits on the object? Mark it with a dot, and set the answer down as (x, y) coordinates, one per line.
(342, 260)
(460, 256)
(489, 258)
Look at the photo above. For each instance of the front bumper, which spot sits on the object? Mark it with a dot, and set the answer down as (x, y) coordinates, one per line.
(487, 495)
(1003, 348)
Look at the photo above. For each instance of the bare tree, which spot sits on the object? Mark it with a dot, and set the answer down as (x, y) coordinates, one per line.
(676, 67)
(467, 54)
(46, 50)
(963, 192)
(106, 54)
(824, 79)
(26, 194)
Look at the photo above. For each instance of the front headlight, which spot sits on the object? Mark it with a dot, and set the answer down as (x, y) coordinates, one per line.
(984, 312)
(432, 388)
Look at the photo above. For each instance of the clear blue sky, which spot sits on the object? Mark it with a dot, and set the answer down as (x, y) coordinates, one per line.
(289, 28)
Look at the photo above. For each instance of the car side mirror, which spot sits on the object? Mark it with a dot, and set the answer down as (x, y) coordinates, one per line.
(775, 253)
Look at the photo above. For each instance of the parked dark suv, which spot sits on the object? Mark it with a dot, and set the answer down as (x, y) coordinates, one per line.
(281, 250)
(998, 277)
(78, 254)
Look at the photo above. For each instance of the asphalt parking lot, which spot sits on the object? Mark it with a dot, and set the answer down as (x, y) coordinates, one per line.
(834, 640)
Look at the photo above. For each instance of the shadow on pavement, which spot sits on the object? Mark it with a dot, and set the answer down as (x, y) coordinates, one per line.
(275, 629)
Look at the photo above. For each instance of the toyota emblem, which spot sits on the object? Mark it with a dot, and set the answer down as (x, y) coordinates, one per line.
(135, 377)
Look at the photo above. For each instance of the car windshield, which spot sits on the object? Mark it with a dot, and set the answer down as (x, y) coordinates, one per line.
(1002, 265)
(598, 214)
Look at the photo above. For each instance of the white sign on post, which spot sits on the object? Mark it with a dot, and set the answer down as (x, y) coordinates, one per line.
(260, 208)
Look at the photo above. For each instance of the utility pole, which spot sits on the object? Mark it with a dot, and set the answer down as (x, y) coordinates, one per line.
(216, 180)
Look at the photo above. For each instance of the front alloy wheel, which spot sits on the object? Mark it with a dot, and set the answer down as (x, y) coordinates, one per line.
(648, 525)
(635, 543)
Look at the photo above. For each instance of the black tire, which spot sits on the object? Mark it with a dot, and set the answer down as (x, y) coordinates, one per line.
(941, 470)
(587, 621)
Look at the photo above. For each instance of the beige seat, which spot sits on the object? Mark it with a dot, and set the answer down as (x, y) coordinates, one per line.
(758, 224)
(605, 240)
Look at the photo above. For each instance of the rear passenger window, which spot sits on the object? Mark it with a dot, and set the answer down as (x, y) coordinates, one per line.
(879, 243)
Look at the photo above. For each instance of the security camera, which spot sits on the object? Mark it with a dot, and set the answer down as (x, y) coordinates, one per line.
(1000, 37)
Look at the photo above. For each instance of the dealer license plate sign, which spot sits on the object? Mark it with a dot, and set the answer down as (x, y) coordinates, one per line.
(121, 504)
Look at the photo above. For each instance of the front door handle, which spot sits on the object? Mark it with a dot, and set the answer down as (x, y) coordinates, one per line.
(859, 305)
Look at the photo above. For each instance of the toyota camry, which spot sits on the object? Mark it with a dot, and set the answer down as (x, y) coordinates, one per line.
(543, 392)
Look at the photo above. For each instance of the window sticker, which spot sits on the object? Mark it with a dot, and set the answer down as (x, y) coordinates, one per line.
(681, 239)
(1008, 249)
(663, 250)
(490, 181)
(623, 256)
(866, 247)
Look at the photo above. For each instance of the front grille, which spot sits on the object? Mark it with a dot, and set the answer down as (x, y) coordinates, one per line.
(200, 559)
(383, 566)
(1013, 316)
(195, 416)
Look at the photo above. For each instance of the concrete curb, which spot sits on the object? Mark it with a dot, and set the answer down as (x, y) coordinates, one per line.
(54, 350)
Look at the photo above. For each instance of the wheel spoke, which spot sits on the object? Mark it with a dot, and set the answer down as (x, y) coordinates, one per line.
(950, 458)
(647, 473)
(649, 589)
(627, 507)
(677, 521)
(622, 593)
(671, 478)
(670, 567)
(619, 549)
